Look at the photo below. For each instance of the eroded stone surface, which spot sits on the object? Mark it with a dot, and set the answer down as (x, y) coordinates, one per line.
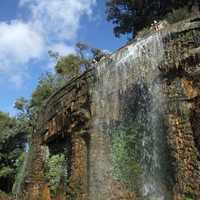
(67, 114)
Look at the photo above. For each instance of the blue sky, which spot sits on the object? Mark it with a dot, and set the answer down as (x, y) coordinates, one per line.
(29, 28)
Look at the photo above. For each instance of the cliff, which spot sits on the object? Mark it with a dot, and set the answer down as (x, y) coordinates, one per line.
(68, 120)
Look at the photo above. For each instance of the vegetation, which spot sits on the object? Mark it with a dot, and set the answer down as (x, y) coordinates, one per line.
(74, 64)
(69, 66)
(125, 153)
(130, 16)
(54, 171)
(12, 144)
(46, 86)
(187, 198)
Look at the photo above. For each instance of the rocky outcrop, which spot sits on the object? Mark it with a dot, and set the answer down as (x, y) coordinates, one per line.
(182, 89)
(67, 114)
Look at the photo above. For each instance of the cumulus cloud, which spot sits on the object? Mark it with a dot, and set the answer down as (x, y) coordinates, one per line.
(50, 25)
(19, 43)
(58, 17)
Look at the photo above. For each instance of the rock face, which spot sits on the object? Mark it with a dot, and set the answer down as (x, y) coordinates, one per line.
(65, 116)
(181, 86)
(68, 116)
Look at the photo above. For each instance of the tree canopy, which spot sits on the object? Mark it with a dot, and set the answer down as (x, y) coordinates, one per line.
(74, 64)
(69, 66)
(130, 16)
(12, 143)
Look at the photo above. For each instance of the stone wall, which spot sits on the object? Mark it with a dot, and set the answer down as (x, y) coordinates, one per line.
(181, 87)
(67, 115)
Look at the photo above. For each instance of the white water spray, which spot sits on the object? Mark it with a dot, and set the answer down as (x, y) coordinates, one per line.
(135, 64)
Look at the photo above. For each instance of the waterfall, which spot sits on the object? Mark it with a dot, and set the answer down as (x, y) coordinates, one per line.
(127, 105)
(17, 187)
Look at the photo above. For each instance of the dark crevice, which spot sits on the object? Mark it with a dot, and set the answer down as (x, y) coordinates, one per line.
(195, 20)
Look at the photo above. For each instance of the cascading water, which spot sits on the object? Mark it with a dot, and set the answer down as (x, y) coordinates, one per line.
(20, 176)
(127, 104)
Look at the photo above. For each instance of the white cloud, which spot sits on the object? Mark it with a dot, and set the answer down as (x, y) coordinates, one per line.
(60, 18)
(52, 24)
(19, 43)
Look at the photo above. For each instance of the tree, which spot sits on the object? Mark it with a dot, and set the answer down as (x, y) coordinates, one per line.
(73, 65)
(81, 48)
(46, 86)
(12, 144)
(69, 66)
(21, 104)
(28, 110)
(130, 16)
(97, 54)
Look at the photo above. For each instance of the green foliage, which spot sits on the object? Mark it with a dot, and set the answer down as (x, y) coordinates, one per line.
(6, 123)
(6, 171)
(44, 89)
(29, 109)
(125, 153)
(69, 66)
(73, 65)
(21, 104)
(66, 68)
(12, 141)
(54, 171)
(130, 16)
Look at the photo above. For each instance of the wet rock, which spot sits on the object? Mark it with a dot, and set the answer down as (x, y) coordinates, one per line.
(67, 116)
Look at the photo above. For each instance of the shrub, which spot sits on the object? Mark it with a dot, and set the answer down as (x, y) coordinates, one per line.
(54, 171)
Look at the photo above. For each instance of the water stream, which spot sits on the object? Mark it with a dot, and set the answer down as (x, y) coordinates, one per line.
(127, 102)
